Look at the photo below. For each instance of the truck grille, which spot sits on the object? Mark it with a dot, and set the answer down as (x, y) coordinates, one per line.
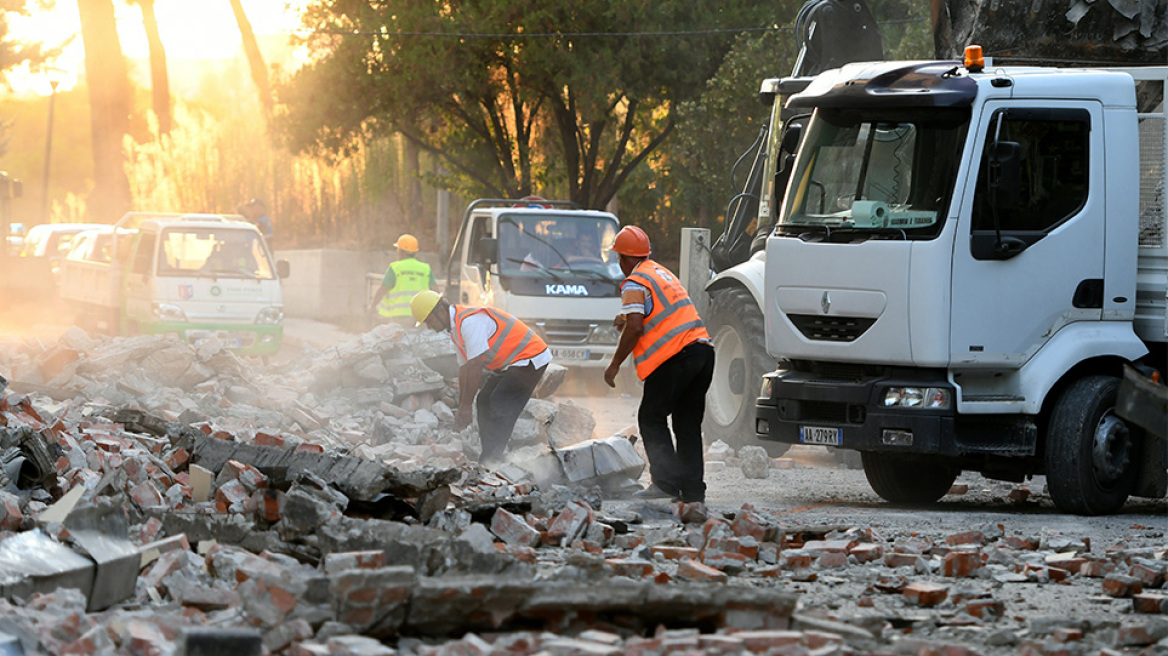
(564, 332)
(831, 329)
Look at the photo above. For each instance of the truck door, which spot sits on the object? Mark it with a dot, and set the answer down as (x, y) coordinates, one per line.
(475, 276)
(139, 284)
(1027, 263)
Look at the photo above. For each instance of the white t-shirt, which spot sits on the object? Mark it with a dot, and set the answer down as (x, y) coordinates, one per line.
(476, 329)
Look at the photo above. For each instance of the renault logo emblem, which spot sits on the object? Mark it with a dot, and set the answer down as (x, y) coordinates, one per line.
(825, 302)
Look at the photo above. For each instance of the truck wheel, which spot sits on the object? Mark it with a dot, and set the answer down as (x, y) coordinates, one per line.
(740, 359)
(1091, 454)
(906, 479)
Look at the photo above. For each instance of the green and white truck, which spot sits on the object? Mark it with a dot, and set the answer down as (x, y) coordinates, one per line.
(193, 276)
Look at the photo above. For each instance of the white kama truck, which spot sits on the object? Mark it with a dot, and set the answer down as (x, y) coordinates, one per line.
(547, 263)
(194, 276)
(966, 261)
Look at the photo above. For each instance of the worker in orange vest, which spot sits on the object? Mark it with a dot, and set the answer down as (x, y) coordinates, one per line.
(501, 361)
(661, 328)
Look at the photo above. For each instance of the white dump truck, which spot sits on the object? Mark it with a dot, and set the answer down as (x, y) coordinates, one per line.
(194, 276)
(966, 260)
(546, 262)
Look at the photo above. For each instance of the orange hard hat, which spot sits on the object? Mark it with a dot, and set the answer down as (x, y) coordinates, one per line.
(407, 243)
(631, 241)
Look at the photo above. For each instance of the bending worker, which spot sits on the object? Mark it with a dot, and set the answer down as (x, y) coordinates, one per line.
(501, 361)
(403, 278)
(672, 350)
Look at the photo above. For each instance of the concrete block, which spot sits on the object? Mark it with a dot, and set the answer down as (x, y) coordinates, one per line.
(32, 562)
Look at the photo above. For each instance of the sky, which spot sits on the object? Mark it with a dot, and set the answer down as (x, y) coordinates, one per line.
(190, 29)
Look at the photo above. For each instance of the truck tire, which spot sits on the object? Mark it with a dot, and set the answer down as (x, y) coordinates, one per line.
(735, 325)
(1091, 454)
(906, 479)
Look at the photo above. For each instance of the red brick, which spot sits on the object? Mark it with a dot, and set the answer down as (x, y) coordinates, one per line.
(146, 495)
(1024, 544)
(986, 609)
(634, 568)
(1066, 561)
(867, 552)
(1096, 569)
(1121, 585)
(926, 594)
(308, 448)
(817, 548)
(1150, 576)
(1133, 635)
(1153, 603)
(512, 529)
(178, 459)
(341, 561)
(1067, 634)
(965, 537)
(676, 553)
(897, 559)
(692, 570)
(795, 559)
(267, 439)
(961, 563)
(832, 559)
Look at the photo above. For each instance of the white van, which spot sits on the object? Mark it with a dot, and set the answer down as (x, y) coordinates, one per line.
(194, 276)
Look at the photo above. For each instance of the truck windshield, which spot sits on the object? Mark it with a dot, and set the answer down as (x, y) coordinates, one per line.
(536, 244)
(867, 173)
(214, 253)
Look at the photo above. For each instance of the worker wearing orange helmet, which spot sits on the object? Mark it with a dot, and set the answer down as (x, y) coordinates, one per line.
(402, 280)
(501, 361)
(661, 328)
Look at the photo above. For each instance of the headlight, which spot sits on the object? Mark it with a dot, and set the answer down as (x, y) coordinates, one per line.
(930, 398)
(169, 313)
(605, 335)
(270, 316)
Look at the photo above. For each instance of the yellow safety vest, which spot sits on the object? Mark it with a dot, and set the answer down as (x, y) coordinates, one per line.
(410, 277)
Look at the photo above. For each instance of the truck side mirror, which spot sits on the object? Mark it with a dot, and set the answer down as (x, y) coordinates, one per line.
(1005, 173)
(486, 251)
(283, 269)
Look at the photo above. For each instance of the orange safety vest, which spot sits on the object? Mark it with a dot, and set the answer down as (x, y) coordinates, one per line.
(511, 342)
(673, 322)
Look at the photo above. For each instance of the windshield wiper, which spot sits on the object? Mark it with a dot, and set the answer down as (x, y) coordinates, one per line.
(537, 265)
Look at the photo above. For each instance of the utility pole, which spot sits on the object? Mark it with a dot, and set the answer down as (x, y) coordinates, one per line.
(48, 153)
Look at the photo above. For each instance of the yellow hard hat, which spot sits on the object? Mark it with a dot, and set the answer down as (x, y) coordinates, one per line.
(423, 304)
(407, 242)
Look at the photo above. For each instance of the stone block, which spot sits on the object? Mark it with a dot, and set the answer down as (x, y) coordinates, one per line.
(755, 462)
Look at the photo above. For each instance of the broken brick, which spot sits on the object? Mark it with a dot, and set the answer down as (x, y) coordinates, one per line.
(925, 594)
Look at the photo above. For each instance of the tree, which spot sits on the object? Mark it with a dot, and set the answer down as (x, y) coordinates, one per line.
(255, 60)
(159, 79)
(109, 98)
(514, 96)
(14, 53)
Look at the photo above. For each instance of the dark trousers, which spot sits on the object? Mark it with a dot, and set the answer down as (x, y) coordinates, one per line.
(499, 402)
(677, 389)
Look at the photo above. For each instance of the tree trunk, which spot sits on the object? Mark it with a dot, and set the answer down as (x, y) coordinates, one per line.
(109, 99)
(159, 79)
(255, 60)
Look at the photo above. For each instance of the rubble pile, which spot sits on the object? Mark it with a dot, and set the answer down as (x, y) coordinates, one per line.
(337, 512)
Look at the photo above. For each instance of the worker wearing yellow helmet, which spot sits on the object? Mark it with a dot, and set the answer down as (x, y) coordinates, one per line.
(501, 360)
(405, 277)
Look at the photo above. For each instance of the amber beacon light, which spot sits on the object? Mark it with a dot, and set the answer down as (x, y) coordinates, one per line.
(974, 62)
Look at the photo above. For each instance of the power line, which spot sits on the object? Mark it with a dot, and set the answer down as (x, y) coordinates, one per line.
(577, 35)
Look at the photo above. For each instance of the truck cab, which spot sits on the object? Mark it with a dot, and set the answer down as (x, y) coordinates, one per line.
(547, 263)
